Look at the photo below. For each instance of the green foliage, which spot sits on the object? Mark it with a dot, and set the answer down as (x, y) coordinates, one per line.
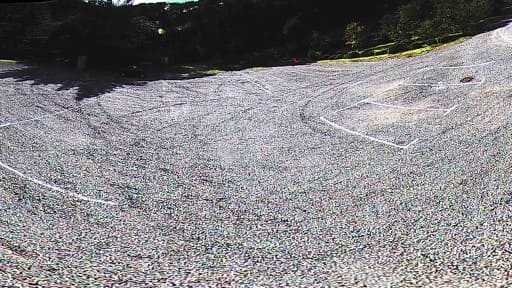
(408, 20)
(417, 45)
(398, 47)
(192, 32)
(405, 23)
(474, 10)
(454, 16)
(388, 25)
(352, 54)
(367, 53)
(409, 53)
(116, 39)
(321, 44)
(354, 34)
(314, 55)
(430, 19)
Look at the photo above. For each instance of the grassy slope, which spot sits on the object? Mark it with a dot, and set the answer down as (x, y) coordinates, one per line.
(409, 53)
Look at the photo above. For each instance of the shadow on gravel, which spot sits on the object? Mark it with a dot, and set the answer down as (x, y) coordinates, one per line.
(90, 83)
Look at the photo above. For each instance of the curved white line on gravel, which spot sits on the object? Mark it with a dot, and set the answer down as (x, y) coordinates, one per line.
(255, 82)
(466, 66)
(481, 82)
(55, 188)
(451, 109)
(442, 84)
(368, 137)
(345, 86)
(501, 34)
(465, 84)
(412, 108)
(349, 106)
(448, 67)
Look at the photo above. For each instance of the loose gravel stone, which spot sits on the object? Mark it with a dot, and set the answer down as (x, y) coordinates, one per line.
(234, 180)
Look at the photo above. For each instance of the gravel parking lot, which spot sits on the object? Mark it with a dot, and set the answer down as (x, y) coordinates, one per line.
(368, 174)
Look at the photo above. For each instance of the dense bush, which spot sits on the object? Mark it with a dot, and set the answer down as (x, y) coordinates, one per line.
(398, 47)
(367, 53)
(352, 54)
(314, 55)
(417, 45)
(450, 37)
(211, 29)
(354, 34)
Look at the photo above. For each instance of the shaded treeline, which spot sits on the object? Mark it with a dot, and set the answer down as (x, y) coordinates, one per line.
(258, 31)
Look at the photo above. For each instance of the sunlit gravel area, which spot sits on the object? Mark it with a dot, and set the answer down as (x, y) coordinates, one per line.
(369, 174)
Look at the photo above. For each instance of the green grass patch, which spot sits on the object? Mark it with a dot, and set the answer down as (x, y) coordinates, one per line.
(379, 51)
(212, 72)
(383, 46)
(256, 69)
(410, 53)
(200, 70)
(7, 61)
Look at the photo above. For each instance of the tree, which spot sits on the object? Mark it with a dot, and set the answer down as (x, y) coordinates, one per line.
(354, 34)
(472, 11)
(388, 27)
(409, 17)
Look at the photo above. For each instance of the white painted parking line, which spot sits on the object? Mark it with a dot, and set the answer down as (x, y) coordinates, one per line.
(447, 111)
(369, 137)
(481, 82)
(465, 66)
(503, 35)
(421, 84)
(39, 182)
(52, 187)
(441, 84)
(451, 109)
(349, 106)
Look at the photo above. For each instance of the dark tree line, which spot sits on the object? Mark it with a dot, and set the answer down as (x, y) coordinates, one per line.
(258, 30)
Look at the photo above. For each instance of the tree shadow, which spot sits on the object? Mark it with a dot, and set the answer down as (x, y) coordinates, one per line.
(90, 83)
(95, 82)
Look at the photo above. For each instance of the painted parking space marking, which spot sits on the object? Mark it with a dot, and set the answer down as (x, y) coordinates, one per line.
(336, 126)
(351, 105)
(447, 111)
(55, 188)
(466, 66)
(442, 84)
(372, 101)
(42, 183)
(503, 35)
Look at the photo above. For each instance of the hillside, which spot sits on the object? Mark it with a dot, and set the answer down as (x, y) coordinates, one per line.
(242, 32)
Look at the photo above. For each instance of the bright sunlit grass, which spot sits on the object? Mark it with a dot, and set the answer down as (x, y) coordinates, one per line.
(6, 61)
(256, 69)
(213, 72)
(410, 53)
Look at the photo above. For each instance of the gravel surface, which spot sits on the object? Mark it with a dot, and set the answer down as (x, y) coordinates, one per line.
(237, 180)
